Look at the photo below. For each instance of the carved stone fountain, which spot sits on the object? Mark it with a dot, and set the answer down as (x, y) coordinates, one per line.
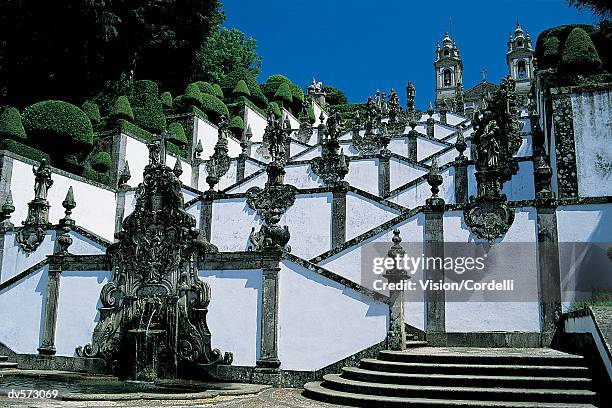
(153, 314)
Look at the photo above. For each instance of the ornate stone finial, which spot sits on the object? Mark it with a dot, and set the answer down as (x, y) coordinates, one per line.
(64, 240)
(197, 152)
(178, 168)
(219, 162)
(5, 216)
(460, 145)
(36, 224)
(434, 178)
(125, 176)
(430, 109)
(69, 204)
(396, 249)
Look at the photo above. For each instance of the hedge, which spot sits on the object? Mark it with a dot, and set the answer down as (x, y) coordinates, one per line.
(93, 111)
(150, 116)
(122, 109)
(283, 94)
(550, 54)
(59, 127)
(132, 129)
(11, 126)
(231, 80)
(166, 100)
(177, 151)
(241, 89)
(218, 92)
(560, 33)
(579, 54)
(271, 85)
(179, 133)
(205, 87)
(23, 150)
(214, 107)
(198, 111)
(140, 89)
(101, 162)
(296, 93)
(193, 95)
(236, 125)
(93, 175)
(275, 109)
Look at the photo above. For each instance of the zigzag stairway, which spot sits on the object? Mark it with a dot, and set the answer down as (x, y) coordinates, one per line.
(425, 376)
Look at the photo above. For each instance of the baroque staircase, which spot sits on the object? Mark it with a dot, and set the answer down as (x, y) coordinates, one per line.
(461, 377)
(5, 364)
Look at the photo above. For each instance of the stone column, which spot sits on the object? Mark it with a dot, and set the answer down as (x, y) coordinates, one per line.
(240, 167)
(47, 344)
(412, 143)
(396, 336)
(121, 194)
(338, 231)
(461, 176)
(267, 365)
(206, 213)
(383, 173)
(433, 246)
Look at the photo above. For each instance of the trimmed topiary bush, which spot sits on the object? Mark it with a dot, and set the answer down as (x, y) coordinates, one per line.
(579, 54)
(60, 128)
(214, 107)
(241, 89)
(147, 108)
(550, 54)
(296, 93)
(11, 126)
(283, 94)
(236, 125)
(205, 87)
(23, 150)
(271, 85)
(217, 91)
(93, 111)
(101, 162)
(122, 109)
(275, 109)
(166, 100)
(193, 95)
(179, 133)
(93, 175)
(231, 80)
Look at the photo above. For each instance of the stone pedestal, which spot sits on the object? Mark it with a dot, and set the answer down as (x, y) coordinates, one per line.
(47, 343)
(338, 231)
(383, 174)
(433, 246)
(268, 358)
(461, 180)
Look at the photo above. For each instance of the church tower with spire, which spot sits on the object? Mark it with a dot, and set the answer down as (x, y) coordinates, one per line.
(449, 72)
(519, 58)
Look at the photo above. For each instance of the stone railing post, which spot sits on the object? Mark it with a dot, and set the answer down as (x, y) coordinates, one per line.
(384, 180)
(338, 231)
(122, 191)
(47, 343)
(433, 247)
(461, 175)
(206, 213)
(396, 335)
(267, 365)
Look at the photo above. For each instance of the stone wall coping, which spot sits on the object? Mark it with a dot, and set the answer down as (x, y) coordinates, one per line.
(606, 86)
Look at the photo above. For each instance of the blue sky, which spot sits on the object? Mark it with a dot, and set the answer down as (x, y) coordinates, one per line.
(360, 46)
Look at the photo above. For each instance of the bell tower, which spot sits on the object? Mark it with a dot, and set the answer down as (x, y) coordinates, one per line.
(449, 71)
(520, 59)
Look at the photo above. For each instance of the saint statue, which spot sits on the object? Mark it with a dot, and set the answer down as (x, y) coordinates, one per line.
(42, 180)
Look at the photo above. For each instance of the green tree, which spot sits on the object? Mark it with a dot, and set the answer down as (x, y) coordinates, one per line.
(334, 96)
(224, 51)
(601, 8)
(69, 49)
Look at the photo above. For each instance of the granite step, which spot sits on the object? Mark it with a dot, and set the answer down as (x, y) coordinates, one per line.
(3, 358)
(4, 365)
(338, 383)
(361, 374)
(474, 369)
(502, 359)
(416, 343)
(316, 391)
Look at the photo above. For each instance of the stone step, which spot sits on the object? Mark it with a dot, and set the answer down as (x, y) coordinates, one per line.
(474, 369)
(6, 365)
(360, 374)
(3, 358)
(416, 343)
(316, 391)
(338, 383)
(502, 359)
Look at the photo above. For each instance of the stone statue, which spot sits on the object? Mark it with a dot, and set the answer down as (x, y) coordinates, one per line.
(42, 180)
